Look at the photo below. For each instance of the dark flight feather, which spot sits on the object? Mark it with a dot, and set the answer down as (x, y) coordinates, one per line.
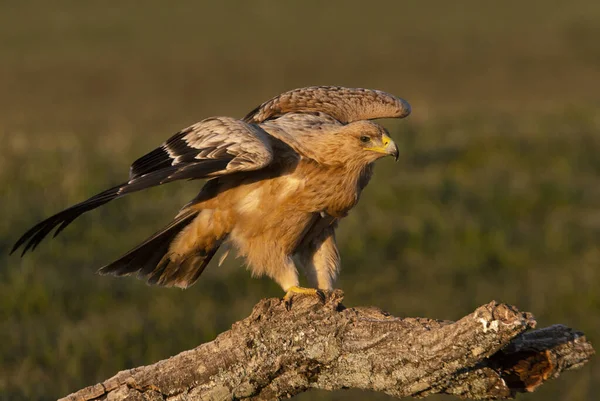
(37, 233)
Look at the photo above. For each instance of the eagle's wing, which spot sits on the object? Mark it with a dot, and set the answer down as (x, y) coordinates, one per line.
(344, 104)
(213, 147)
(233, 144)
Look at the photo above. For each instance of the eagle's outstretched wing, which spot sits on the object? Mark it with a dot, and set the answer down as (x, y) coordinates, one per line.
(344, 104)
(213, 147)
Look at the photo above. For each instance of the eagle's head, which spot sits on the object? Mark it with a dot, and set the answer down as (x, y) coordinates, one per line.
(361, 143)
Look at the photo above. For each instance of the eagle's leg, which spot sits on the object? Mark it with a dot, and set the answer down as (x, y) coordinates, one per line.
(286, 276)
(301, 290)
(320, 261)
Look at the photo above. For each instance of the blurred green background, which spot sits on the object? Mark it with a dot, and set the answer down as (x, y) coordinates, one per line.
(496, 196)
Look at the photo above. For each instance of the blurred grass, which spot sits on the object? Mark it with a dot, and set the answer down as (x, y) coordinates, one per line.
(496, 195)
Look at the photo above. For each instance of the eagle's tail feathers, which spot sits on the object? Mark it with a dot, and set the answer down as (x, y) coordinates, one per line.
(152, 260)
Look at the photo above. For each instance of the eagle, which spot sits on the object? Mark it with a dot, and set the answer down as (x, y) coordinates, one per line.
(277, 183)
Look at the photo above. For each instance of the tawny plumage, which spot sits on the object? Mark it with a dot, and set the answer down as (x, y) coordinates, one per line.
(278, 182)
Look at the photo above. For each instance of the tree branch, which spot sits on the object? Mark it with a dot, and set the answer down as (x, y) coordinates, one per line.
(276, 353)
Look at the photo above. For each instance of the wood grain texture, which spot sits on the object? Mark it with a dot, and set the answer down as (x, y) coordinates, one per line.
(276, 353)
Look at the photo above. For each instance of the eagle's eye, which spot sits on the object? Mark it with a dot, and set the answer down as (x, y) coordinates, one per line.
(365, 139)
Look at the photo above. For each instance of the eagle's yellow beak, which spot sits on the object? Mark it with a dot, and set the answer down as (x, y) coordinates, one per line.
(388, 147)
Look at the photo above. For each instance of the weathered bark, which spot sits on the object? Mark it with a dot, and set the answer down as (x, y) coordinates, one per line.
(276, 353)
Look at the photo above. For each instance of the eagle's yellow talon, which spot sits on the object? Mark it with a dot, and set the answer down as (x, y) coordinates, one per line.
(301, 290)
